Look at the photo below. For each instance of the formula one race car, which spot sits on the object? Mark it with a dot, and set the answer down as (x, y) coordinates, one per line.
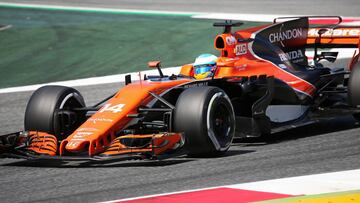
(262, 83)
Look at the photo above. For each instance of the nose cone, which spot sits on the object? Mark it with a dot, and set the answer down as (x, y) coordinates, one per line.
(93, 144)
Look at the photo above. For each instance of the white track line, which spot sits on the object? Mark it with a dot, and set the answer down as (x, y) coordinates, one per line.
(199, 15)
(254, 17)
(308, 185)
(95, 9)
(241, 17)
(157, 195)
(5, 27)
(302, 185)
(93, 80)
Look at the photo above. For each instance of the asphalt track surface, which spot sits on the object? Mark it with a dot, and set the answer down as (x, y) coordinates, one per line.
(329, 146)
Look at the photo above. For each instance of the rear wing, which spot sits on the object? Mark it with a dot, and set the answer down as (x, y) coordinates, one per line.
(331, 31)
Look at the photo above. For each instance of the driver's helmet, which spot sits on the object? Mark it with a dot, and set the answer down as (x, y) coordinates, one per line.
(204, 66)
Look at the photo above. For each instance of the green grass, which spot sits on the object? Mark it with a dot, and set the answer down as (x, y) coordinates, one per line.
(46, 45)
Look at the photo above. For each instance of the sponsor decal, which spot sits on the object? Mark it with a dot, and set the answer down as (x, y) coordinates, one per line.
(241, 67)
(78, 138)
(240, 49)
(283, 57)
(230, 40)
(80, 135)
(351, 32)
(87, 129)
(73, 144)
(105, 120)
(199, 84)
(286, 35)
(294, 56)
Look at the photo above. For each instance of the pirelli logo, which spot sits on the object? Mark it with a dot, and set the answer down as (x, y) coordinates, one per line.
(339, 32)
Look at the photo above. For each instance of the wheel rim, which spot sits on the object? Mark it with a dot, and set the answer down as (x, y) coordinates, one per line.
(220, 122)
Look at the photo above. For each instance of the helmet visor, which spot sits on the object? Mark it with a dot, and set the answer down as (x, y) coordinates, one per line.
(203, 69)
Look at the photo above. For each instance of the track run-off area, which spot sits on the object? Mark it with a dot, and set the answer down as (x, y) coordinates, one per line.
(38, 46)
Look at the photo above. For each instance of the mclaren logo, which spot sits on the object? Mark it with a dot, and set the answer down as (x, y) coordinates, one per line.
(350, 32)
(286, 35)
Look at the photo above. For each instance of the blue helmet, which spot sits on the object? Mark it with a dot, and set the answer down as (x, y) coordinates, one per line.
(204, 66)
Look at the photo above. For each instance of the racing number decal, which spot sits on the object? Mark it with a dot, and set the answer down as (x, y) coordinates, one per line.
(115, 109)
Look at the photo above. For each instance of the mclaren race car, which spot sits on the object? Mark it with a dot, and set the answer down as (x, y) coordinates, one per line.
(262, 83)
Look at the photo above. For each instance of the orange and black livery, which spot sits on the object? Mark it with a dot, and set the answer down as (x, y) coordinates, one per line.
(263, 82)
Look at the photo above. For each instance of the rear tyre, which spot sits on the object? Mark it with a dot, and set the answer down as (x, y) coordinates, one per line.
(354, 89)
(50, 110)
(206, 116)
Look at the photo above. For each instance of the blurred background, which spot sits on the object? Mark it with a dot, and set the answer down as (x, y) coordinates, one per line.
(55, 40)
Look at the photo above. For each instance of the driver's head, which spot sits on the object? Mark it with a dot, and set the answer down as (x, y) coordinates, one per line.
(204, 66)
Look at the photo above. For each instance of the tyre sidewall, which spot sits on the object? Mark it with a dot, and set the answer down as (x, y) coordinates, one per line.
(194, 108)
(354, 86)
(220, 98)
(41, 110)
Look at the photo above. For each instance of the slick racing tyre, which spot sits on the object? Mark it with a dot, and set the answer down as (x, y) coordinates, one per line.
(354, 86)
(206, 116)
(50, 110)
(354, 89)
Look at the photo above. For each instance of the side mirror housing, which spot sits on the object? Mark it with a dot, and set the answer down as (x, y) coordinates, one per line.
(156, 64)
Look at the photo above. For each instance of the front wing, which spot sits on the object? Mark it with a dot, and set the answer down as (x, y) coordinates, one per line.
(42, 146)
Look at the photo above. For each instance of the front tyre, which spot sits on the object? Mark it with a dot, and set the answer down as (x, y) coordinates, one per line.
(50, 110)
(206, 116)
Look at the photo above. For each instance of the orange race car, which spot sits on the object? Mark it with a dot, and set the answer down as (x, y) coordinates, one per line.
(261, 83)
